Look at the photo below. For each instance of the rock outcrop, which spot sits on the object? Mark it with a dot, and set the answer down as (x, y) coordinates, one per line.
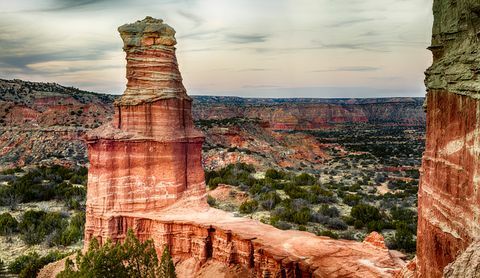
(146, 175)
(466, 265)
(449, 195)
(150, 155)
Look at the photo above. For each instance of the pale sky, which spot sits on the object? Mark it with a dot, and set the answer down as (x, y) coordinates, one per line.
(250, 48)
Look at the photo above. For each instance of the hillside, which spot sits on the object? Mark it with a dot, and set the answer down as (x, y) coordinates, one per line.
(43, 123)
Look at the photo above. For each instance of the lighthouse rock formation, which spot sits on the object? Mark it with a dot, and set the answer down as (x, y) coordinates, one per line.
(146, 175)
(449, 194)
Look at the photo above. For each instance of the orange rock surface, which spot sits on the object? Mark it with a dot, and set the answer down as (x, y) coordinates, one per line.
(376, 240)
(146, 175)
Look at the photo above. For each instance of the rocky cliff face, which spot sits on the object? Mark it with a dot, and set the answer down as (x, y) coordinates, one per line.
(145, 174)
(44, 122)
(311, 114)
(449, 199)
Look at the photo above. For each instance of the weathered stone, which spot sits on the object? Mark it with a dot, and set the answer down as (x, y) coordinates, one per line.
(455, 47)
(376, 240)
(449, 199)
(466, 265)
(152, 69)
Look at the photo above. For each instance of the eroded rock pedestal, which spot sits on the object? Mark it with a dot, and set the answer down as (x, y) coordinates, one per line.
(449, 195)
(150, 156)
(146, 175)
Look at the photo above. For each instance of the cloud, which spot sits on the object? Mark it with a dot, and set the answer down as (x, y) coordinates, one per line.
(351, 68)
(201, 35)
(259, 86)
(23, 48)
(197, 20)
(275, 42)
(369, 34)
(255, 69)
(350, 22)
(246, 38)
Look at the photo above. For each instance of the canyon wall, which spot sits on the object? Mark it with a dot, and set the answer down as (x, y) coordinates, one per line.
(33, 115)
(449, 195)
(146, 175)
(311, 114)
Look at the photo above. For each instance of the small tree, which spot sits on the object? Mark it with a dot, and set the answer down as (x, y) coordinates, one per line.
(167, 269)
(403, 239)
(133, 258)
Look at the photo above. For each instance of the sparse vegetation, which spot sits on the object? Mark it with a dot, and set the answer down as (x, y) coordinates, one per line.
(27, 266)
(131, 258)
(46, 183)
(307, 202)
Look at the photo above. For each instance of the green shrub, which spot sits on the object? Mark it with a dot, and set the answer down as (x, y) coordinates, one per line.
(211, 201)
(43, 184)
(28, 265)
(375, 225)
(213, 183)
(130, 259)
(8, 224)
(349, 220)
(36, 225)
(248, 206)
(365, 213)
(305, 179)
(73, 233)
(3, 270)
(355, 188)
(402, 214)
(337, 224)
(233, 174)
(329, 211)
(351, 199)
(274, 174)
(403, 238)
(282, 225)
(327, 233)
(358, 224)
(270, 200)
(302, 217)
(297, 192)
(167, 268)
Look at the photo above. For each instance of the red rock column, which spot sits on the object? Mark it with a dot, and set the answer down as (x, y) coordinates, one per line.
(149, 157)
(449, 195)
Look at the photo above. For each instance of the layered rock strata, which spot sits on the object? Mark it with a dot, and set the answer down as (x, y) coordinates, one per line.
(150, 156)
(146, 175)
(449, 195)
